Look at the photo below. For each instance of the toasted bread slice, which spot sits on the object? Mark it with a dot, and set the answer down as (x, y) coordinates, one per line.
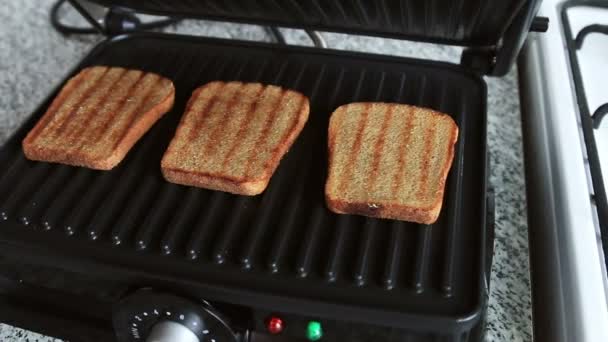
(98, 116)
(233, 135)
(389, 161)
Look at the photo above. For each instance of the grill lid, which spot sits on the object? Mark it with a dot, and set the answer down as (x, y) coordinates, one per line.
(494, 31)
(460, 22)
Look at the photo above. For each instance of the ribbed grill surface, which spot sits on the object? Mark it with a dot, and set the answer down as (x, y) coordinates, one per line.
(468, 22)
(285, 241)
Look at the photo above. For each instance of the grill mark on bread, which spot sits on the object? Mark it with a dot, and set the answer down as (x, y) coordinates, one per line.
(135, 114)
(407, 132)
(215, 115)
(110, 136)
(57, 103)
(79, 102)
(331, 138)
(182, 122)
(81, 138)
(93, 113)
(119, 108)
(209, 147)
(287, 133)
(352, 158)
(72, 101)
(428, 146)
(118, 129)
(380, 147)
(204, 113)
(263, 136)
(199, 108)
(337, 119)
(243, 128)
(196, 94)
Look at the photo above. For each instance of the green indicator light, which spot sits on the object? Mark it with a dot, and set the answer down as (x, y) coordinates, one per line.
(314, 331)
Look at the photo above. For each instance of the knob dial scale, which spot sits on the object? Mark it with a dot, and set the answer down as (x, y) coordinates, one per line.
(151, 316)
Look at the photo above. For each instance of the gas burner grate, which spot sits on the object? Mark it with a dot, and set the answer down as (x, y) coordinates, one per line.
(589, 121)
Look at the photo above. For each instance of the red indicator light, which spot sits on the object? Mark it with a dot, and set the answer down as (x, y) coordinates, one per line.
(275, 325)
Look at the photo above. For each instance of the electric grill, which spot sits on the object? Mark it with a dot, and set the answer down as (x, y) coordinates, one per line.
(124, 255)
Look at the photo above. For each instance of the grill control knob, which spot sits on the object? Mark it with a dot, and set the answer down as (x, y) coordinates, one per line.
(153, 316)
(168, 331)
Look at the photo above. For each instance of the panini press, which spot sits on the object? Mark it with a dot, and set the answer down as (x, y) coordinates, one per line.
(125, 256)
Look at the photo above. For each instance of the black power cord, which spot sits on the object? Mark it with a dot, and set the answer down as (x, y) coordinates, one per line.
(276, 34)
(63, 28)
(316, 37)
(117, 21)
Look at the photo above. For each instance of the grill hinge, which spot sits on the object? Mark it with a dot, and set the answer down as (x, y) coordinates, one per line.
(493, 60)
(496, 60)
(480, 60)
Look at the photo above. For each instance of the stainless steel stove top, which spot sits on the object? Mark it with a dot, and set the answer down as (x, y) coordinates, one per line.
(566, 144)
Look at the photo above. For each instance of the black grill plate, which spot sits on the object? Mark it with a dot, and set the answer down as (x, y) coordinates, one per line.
(282, 250)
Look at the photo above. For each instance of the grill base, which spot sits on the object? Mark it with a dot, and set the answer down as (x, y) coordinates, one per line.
(282, 251)
(42, 309)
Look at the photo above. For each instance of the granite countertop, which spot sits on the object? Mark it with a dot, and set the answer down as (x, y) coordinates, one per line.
(33, 58)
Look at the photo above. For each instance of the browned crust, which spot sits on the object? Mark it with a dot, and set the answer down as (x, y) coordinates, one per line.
(387, 210)
(424, 215)
(133, 133)
(215, 181)
(241, 186)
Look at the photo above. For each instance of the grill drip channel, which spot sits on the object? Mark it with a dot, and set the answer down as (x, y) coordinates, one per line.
(283, 242)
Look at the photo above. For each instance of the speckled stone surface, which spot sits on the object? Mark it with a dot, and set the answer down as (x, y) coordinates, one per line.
(33, 58)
